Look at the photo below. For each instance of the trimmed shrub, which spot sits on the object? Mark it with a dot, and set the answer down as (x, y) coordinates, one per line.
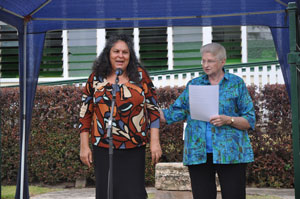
(53, 153)
(272, 140)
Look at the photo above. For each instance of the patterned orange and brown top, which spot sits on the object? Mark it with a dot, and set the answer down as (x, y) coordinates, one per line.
(135, 111)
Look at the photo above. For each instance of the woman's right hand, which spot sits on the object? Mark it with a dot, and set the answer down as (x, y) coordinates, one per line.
(86, 156)
(85, 152)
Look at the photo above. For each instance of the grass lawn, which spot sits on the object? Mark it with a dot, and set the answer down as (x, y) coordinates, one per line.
(261, 197)
(8, 192)
(151, 195)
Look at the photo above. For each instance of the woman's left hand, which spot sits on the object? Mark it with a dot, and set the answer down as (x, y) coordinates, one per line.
(155, 145)
(155, 152)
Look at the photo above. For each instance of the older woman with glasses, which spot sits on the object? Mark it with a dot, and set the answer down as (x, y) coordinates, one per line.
(221, 145)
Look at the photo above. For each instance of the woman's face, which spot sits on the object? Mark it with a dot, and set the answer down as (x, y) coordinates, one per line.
(119, 55)
(211, 64)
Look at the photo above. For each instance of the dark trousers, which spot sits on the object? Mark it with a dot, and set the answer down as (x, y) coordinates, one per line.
(128, 173)
(232, 178)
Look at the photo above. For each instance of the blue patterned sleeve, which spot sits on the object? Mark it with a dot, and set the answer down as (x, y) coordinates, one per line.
(179, 110)
(245, 105)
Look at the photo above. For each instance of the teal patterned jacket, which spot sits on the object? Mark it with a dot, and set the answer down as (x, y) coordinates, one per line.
(230, 145)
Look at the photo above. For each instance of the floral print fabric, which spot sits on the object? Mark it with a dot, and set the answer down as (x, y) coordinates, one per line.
(230, 145)
(135, 111)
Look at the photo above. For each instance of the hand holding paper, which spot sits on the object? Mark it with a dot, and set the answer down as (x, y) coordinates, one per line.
(204, 101)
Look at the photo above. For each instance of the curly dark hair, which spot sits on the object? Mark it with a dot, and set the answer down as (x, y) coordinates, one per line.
(102, 66)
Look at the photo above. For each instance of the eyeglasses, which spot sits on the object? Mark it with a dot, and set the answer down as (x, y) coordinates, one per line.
(209, 62)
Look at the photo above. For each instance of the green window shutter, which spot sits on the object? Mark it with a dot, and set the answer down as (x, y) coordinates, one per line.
(230, 38)
(82, 46)
(52, 62)
(9, 55)
(154, 48)
(187, 42)
(260, 44)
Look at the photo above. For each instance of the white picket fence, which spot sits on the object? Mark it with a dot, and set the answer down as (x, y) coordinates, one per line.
(257, 75)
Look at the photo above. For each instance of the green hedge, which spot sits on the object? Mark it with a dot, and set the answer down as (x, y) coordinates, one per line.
(53, 155)
(272, 139)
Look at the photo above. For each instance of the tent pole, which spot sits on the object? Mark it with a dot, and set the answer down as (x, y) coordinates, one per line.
(294, 61)
(0, 156)
(24, 112)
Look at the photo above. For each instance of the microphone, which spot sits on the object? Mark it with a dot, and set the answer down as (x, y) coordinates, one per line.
(119, 71)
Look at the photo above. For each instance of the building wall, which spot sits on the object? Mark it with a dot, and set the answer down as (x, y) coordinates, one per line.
(71, 53)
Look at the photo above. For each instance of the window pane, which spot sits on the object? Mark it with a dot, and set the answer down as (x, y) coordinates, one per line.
(187, 42)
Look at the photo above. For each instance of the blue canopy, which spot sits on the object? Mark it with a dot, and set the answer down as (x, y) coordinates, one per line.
(33, 18)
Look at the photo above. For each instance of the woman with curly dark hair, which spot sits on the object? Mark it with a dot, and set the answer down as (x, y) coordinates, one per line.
(103, 61)
(135, 112)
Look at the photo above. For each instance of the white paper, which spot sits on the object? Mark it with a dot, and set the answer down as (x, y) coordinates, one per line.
(184, 126)
(204, 101)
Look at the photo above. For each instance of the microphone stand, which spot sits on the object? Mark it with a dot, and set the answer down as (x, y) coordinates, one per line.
(110, 139)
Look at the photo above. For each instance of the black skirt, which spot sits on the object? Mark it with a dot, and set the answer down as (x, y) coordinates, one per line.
(128, 173)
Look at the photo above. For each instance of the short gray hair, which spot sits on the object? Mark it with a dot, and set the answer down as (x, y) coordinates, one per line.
(214, 48)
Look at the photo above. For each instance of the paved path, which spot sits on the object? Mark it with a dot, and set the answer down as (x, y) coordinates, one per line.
(89, 193)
